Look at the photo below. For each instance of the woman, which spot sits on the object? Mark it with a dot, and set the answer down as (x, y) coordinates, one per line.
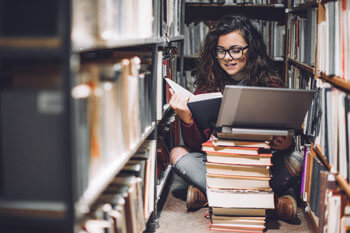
(233, 53)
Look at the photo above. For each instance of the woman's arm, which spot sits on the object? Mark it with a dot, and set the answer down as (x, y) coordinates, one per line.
(192, 136)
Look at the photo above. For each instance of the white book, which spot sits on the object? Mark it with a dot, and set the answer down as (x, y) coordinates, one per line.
(240, 199)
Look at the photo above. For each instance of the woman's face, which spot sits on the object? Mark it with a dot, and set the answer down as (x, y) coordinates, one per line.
(234, 61)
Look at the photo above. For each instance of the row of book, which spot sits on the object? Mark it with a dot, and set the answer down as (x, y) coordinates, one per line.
(107, 20)
(328, 206)
(237, 1)
(298, 78)
(113, 108)
(172, 18)
(238, 184)
(127, 203)
(195, 34)
(302, 37)
(333, 56)
(331, 112)
(273, 35)
(327, 125)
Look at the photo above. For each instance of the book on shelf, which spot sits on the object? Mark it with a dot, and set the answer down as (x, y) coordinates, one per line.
(199, 105)
(147, 153)
(219, 181)
(134, 201)
(238, 170)
(240, 198)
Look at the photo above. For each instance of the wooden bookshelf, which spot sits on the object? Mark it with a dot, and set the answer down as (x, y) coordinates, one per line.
(337, 82)
(303, 7)
(30, 43)
(301, 65)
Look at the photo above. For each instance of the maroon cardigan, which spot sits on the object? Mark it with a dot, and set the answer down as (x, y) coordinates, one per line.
(193, 137)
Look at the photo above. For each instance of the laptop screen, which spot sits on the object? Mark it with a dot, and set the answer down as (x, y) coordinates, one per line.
(260, 107)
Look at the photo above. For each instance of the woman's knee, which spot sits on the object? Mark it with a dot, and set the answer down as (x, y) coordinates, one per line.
(176, 153)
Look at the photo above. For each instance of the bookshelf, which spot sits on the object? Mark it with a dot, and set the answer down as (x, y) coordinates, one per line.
(329, 75)
(69, 64)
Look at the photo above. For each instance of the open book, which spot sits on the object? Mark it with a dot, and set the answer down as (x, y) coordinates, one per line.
(204, 107)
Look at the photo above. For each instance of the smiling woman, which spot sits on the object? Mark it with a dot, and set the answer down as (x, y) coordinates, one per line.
(233, 53)
(247, 59)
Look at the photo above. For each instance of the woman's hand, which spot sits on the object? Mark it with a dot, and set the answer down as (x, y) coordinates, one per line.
(179, 104)
(281, 142)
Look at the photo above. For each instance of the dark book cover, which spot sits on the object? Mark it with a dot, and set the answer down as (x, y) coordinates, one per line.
(205, 112)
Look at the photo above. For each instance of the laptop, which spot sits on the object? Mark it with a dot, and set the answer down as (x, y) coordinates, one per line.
(264, 108)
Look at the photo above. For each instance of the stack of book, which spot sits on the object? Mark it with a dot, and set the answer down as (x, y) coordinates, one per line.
(238, 184)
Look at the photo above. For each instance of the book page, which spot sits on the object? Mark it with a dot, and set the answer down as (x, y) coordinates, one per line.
(178, 89)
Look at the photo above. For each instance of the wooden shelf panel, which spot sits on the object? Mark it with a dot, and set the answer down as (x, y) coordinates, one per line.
(114, 44)
(301, 65)
(111, 44)
(336, 82)
(236, 5)
(30, 43)
(33, 209)
(303, 7)
(102, 180)
(30, 48)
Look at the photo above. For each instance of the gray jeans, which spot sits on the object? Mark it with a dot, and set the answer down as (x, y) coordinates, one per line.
(192, 169)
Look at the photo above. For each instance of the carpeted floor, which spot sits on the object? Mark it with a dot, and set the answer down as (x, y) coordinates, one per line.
(174, 218)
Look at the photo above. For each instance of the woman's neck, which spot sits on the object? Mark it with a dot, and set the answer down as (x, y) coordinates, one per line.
(239, 76)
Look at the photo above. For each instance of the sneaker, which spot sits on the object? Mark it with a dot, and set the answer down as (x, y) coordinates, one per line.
(195, 199)
(287, 209)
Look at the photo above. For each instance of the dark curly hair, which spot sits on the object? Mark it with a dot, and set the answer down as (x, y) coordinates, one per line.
(211, 77)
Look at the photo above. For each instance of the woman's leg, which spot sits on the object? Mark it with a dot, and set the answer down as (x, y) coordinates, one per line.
(190, 166)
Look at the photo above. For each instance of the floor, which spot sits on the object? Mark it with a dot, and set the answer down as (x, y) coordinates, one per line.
(175, 218)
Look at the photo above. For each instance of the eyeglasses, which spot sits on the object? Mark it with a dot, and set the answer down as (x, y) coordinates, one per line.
(234, 52)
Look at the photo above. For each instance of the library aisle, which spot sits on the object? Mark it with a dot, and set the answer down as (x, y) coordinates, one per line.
(174, 218)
